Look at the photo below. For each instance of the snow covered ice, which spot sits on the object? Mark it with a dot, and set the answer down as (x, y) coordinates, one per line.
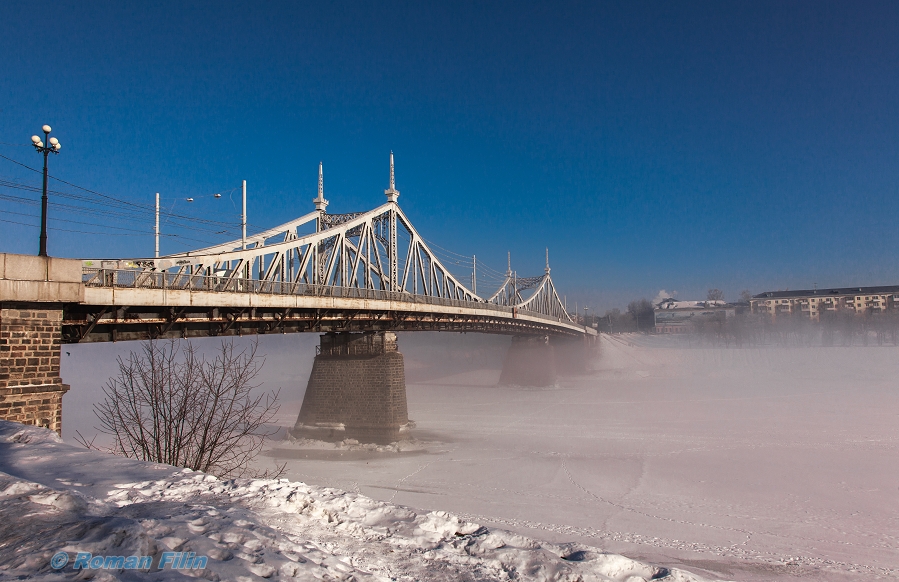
(58, 497)
(749, 464)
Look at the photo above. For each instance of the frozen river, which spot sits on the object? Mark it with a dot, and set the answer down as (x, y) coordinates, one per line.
(747, 464)
(742, 464)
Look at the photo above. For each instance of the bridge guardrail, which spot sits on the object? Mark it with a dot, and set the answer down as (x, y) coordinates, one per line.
(140, 279)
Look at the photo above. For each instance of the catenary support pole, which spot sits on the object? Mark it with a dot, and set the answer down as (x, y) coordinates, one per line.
(157, 225)
(243, 218)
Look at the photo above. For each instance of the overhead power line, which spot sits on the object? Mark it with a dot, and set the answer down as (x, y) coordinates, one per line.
(120, 203)
(130, 217)
(102, 233)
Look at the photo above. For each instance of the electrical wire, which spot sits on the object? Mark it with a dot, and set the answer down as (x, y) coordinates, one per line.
(68, 220)
(138, 212)
(449, 261)
(492, 274)
(125, 203)
(95, 212)
(128, 212)
(101, 233)
(121, 211)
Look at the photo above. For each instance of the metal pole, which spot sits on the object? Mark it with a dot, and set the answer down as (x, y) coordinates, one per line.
(243, 229)
(243, 219)
(474, 274)
(157, 225)
(43, 246)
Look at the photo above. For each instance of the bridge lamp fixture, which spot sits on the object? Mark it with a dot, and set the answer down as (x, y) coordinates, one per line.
(52, 146)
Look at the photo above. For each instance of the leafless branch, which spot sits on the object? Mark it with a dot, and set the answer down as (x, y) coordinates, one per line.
(170, 404)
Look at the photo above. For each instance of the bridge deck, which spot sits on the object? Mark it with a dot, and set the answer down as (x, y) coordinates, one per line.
(123, 307)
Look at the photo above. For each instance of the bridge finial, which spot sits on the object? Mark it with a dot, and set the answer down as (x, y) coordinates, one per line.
(320, 203)
(547, 260)
(509, 268)
(392, 193)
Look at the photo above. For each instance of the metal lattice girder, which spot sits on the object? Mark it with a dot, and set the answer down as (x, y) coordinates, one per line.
(378, 249)
(536, 294)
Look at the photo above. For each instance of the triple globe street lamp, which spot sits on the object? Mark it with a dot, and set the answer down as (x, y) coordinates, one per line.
(52, 146)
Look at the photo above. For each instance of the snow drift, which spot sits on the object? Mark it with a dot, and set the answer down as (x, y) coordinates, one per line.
(56, 497)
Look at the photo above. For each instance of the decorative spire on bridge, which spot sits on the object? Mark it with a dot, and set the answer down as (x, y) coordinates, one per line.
(547, 261)
(393, 256)
(320, 203)
(392, 193)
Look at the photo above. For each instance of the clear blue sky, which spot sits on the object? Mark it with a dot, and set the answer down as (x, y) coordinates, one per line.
(675, 146)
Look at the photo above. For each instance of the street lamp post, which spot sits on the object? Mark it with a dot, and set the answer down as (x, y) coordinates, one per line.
(53, 146)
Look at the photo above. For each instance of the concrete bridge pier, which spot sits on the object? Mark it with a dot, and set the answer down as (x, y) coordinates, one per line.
(357, 389)
(530, 361)
(539, 360)
(573, 355)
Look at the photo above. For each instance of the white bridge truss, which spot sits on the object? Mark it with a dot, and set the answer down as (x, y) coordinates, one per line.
(378, 250)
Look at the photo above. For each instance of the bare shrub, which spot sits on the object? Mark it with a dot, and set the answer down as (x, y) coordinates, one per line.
(170, 404)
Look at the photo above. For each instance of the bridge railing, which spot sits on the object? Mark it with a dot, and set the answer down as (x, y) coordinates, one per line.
(139, 279)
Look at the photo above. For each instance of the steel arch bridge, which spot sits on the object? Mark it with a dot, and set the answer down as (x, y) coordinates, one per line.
(363, 271)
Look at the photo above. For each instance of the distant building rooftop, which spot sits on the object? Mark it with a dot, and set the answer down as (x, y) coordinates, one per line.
(832, 291)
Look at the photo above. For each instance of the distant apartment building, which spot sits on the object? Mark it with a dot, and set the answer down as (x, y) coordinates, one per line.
(672, 316)
(813, 302)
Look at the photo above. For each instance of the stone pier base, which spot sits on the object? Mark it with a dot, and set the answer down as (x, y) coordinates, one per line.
(530, 361)
(357, 389)
(538, 360)
(30, 387)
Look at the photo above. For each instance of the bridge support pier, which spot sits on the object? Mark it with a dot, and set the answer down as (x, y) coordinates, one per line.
(538, 360)
(357, 389)
(530, 361)
(31, 389)
(573, 355)
(33, 291)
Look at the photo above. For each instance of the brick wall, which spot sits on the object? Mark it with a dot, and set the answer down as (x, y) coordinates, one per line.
(31, 389)
(361, 397)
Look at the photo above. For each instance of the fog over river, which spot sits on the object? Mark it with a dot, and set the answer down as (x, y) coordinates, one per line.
(746, 464)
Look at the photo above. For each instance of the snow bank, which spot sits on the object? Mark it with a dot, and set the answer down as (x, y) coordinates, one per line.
(56, 497)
